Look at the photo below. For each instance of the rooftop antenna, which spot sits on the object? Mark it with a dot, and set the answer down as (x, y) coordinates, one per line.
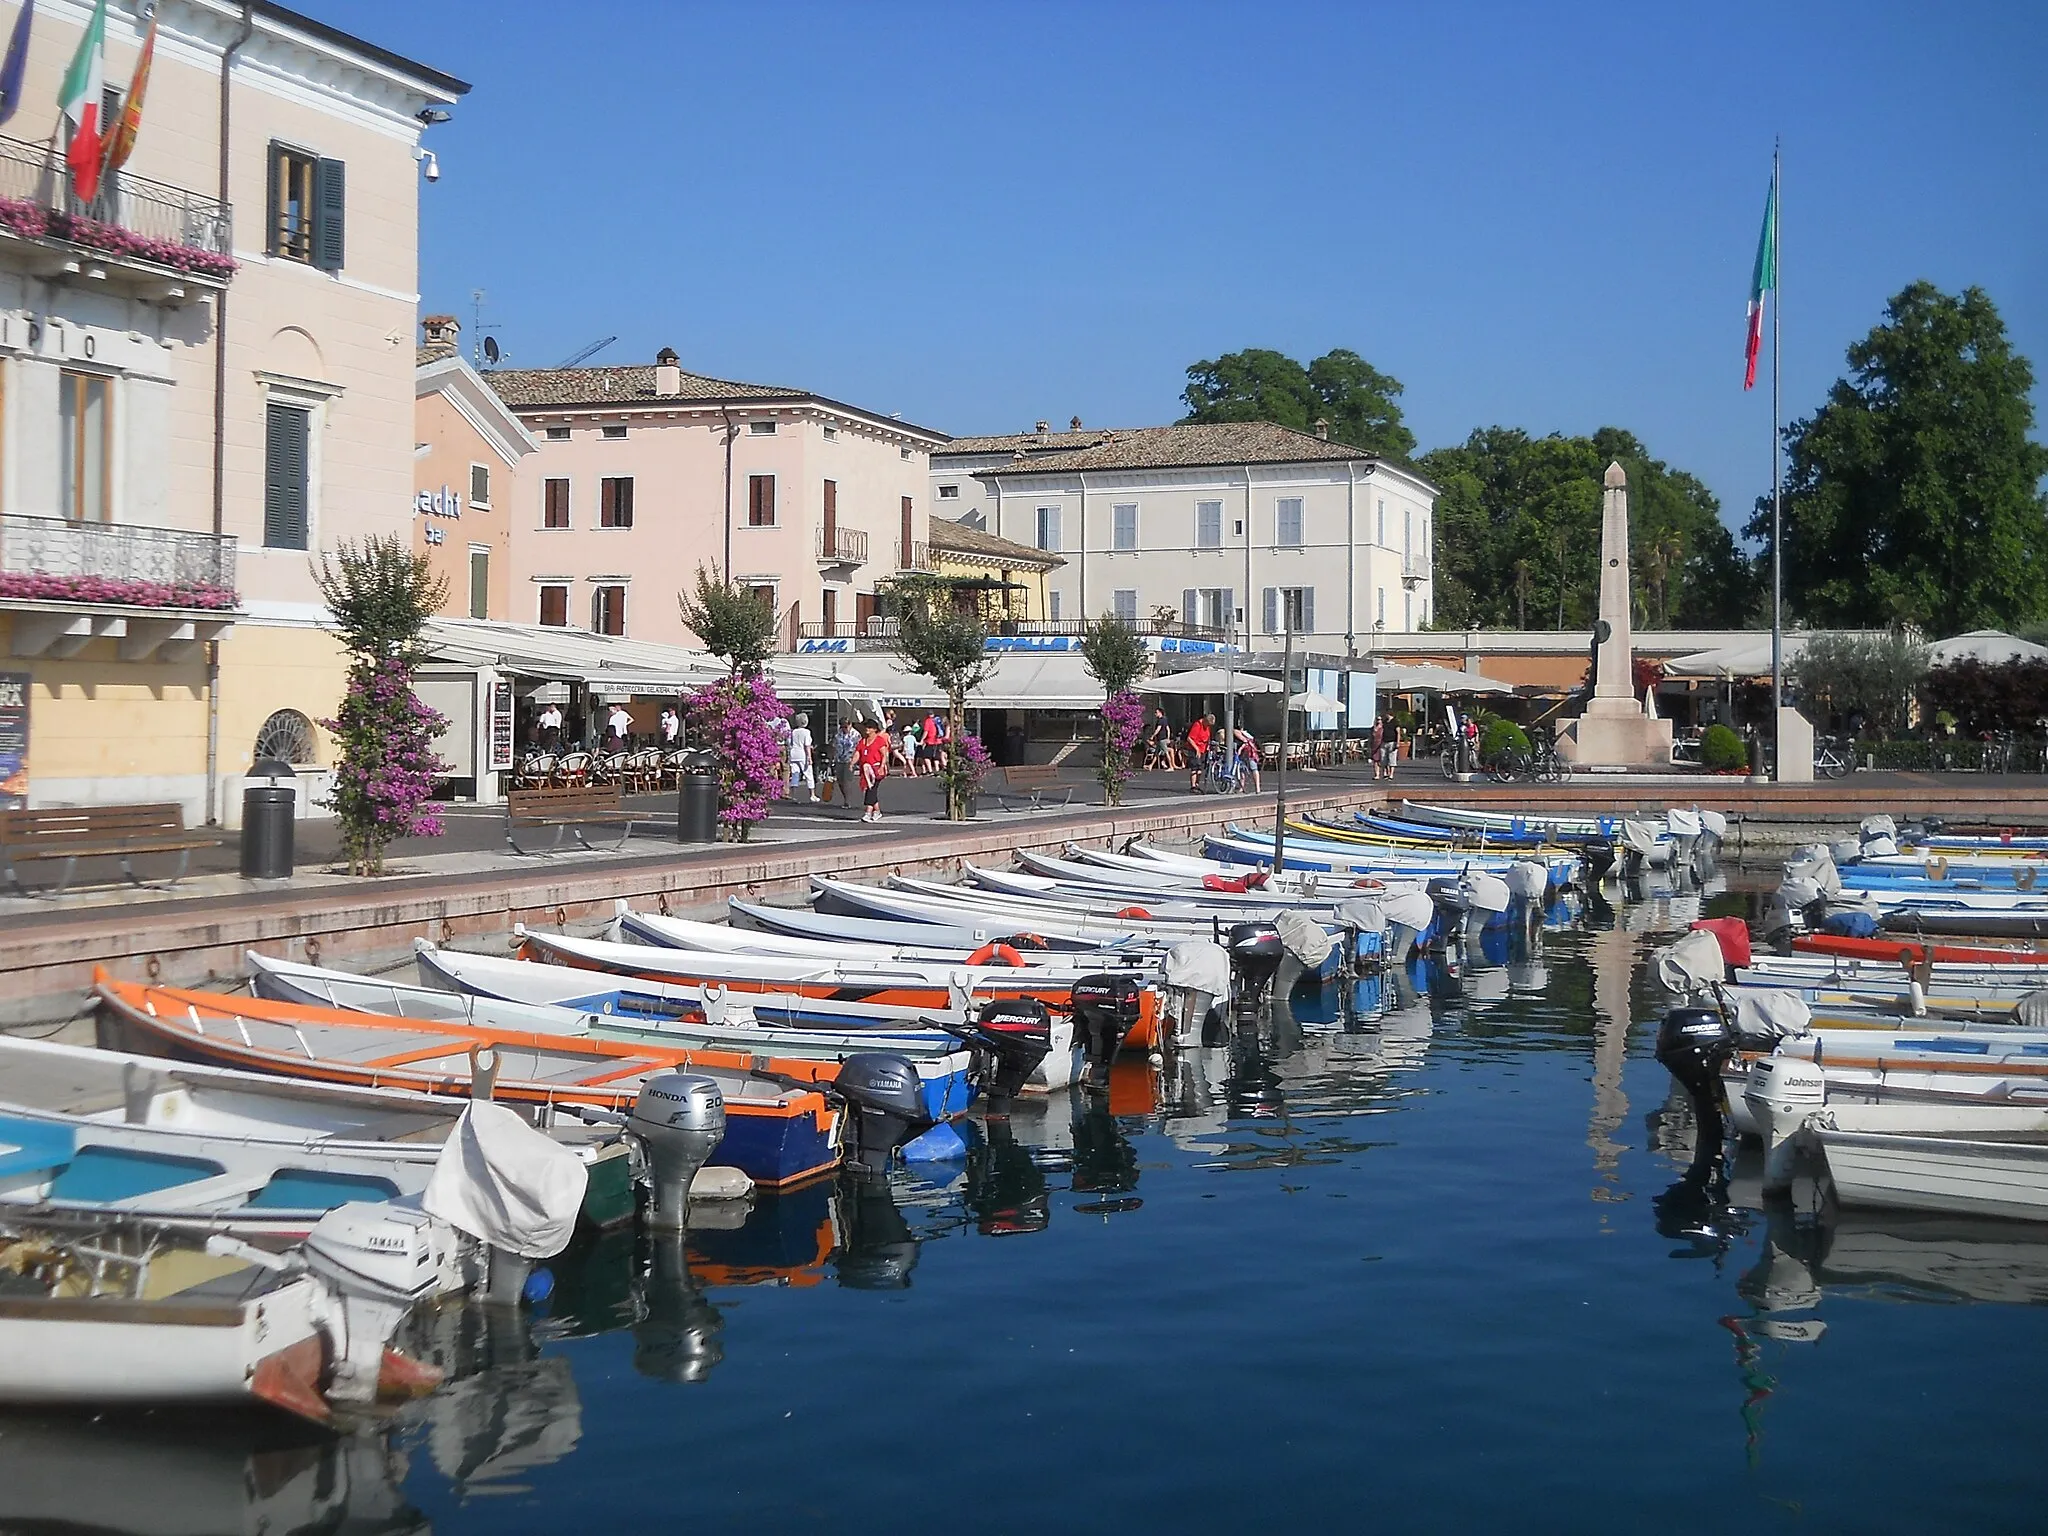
(587, 353)
(483, 347)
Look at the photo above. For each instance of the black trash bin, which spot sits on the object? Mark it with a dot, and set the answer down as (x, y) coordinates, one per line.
(1756, 757)
(268, 821)
(697, 803)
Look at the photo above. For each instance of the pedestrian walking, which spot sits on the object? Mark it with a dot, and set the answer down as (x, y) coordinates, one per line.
(873, 758)
(1198, 750)
(845, 762)
(801, 770)
(1379, 744)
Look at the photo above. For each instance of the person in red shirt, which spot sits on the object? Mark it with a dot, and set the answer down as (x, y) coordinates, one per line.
(871, 759)
(1198, 751)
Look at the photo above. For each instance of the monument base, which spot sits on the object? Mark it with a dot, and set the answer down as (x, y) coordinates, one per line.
(1623, 737)
(1795, 748)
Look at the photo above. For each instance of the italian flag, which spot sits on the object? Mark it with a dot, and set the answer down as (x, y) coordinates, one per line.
(1763, 281)
(79, 100)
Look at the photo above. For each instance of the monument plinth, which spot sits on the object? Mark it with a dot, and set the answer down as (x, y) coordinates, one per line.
(1614, 730)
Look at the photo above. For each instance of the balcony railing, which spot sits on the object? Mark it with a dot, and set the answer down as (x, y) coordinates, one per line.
(55, 558)
(880, 631)
(1414, 569)
(842, 546)
(132, 219)
(915, 557)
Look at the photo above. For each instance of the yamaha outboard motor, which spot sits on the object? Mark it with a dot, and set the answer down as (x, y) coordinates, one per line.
(877, 1250)
(882, 1099)
(1107, 1007)
(677, 1122)
(1255, 955)
(1009, 1038)
(1452, 906)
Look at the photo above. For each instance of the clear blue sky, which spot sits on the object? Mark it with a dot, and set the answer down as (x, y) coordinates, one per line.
(981, 215)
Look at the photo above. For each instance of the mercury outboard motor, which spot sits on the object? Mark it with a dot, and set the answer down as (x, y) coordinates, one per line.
(1006, 1192)
(1694, 1044)
(1595, 861)
(678, 1121)
(1255, 955)
(1107, 1007)
(1009, 1038)
(882, 1099)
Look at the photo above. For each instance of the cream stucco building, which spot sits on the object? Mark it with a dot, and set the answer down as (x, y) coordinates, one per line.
(206, 378)
(469, 477)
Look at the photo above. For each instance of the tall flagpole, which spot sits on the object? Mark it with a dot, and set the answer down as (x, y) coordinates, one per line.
(1777, 492)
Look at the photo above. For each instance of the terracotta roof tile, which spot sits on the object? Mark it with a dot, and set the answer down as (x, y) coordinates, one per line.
(633, 384)
(1187, 445)
(958, 538)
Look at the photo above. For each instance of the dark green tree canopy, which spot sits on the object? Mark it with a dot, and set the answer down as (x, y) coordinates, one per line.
(1359, 402)
(1114, 653)
(1518, 535)
(735, 626)
(1913, 494)
(380, 595)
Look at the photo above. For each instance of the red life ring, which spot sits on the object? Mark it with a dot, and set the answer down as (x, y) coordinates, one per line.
(1131, 912)
(997, 953)
(1368, 883)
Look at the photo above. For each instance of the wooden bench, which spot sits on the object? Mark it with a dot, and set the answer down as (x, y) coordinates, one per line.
(79, 832)
(566, 810)
(1035, 780)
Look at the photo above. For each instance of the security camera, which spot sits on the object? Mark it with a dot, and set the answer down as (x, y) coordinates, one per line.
(430, 164)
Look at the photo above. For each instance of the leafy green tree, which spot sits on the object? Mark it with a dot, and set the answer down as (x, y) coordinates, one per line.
(1360, 403)
(1913, 494)
(735, 626)
(1116, 658)
(942, 633)
(1875, 676)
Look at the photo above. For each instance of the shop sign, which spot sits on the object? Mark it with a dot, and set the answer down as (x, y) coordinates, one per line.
(501, 726)
(13, 740)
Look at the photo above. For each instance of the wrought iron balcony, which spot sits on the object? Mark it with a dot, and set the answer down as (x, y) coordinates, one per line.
(1414, 569)
(161, 236)
(915, 557)
(56, 559)
(842, 546)
(878, 632)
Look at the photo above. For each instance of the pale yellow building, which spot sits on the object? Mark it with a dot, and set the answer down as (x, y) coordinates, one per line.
(206, 378)
(958, 550)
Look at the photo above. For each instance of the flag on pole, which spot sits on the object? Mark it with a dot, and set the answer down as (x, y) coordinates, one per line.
(79, 100)
(16, 63)
(122, 144)
(1763, 281)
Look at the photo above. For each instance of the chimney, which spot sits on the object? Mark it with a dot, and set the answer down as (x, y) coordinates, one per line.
(442, 334)
(668, 375)
(1045, 429)
(1323, 428)
(1074, 425)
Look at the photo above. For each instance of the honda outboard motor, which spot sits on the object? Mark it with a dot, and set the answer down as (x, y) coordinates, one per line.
(882, 1099)
(1107, 1007)
(1009, 1038)
(1255, 954)
(677, 1122)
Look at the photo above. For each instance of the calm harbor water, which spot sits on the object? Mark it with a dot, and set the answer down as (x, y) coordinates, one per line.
(1423, 1269)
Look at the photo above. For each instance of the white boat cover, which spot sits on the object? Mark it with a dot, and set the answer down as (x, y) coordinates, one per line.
(1361, 914)
(1878, 826)
(1304, 938)
(1846, 850)
(1880, 847)
(1411, 909)
(2032, 1010)
(1199, 966)
(504, 1183)
(1487, 893)
(1770, 1012)
(1641, 836)
(1695, 961)
(1715, 823)
(1528, 879)
(1682, 823)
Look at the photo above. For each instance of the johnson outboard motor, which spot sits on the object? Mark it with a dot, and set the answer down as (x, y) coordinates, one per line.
(1009, 1038)
(882, 1099)
(1107, 1007)
(677, 1122)
(1255, 955)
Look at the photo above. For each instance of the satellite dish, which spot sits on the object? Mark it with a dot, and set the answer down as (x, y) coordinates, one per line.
(491, 349)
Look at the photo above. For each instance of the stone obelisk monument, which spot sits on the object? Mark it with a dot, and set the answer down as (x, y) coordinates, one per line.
(1614, 730)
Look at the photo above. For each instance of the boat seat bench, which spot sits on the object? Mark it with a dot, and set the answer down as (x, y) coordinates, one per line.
(1035, 780)
(567, 811)
(79, 832)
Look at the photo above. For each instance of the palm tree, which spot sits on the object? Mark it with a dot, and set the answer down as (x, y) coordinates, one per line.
(1665, 555)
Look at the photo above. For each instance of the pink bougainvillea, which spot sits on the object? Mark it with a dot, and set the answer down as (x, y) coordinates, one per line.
(1123, 721)
(106, 589)
(736, 718)
(386, 765)
(33, 220)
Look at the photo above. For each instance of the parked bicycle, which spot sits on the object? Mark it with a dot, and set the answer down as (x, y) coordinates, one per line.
(1833, 756)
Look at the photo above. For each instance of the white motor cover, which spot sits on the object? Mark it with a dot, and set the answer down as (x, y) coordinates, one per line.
(1199, 966)
(1411, 909)
(2032, 1009)
(1846, 850)
(1815, 863)
(1682, 823)
(1528, 880)
(1880, 847)
(504, 1183)
(1878, 826)
(1770, 1013)
(1799, 892)
(1695, 961)
(1715, 823)
(1304, 938)
(1361, 914)
(1486, 892)
(1642, 837)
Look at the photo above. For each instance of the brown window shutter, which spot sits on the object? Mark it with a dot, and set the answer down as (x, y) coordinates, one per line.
(831, 513)
(905, 561)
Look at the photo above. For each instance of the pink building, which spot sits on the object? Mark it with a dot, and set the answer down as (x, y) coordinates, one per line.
(644, 473)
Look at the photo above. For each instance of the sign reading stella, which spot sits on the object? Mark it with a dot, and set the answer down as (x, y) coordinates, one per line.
(13, 740)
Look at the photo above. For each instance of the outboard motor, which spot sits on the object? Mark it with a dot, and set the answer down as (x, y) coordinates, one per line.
(1305, 947)
(1196, 977)
(382, 1260)
(1009, 1038)
(1410, 915)
(882, 1099)
(1364, 922)
(1255, 954)
(1782, 1091)
(1528, 883)
(1452, 906)
(1107, 1007)
(677, 1122)
(1694, 1044)
(1596, 862)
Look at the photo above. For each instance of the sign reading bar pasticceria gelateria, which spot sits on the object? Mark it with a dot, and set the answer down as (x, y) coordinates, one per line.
(13, 740)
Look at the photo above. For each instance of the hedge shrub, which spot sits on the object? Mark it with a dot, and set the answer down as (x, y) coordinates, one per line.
(1500, 736)
(1721, 749)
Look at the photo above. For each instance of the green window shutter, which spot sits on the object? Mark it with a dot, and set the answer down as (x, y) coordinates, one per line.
(330, 207)
(287, 430)
(275, 209)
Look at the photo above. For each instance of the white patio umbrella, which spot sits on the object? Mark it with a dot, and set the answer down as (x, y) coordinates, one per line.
(1990, 646)
(1315, 703)
(1424, 678)
(1210, 680)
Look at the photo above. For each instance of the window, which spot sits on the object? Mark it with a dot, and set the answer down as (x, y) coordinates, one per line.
(287, 440)
(831, 434)
(831, 528)
(1208, 525)
(558, 434)
(761, 428)
(1287, 522)
(608, 611)
(554, 504)
(949, 493)
(906, 527)
(308, 204)
(1407, 531)
(1408, 613)
(480, 485)
(1290, 608)
(828, 610)
(1209, 607)
(760, 501)
(82, 477)
(1052, 605)
(1381, 538)
(1123, 526)
(554, 607)
(763, 592)
(1048, 527)
(613, 430)
(288, 737)
(615, 505)
(479, 582)
(1380, 614)
(1123, 602)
